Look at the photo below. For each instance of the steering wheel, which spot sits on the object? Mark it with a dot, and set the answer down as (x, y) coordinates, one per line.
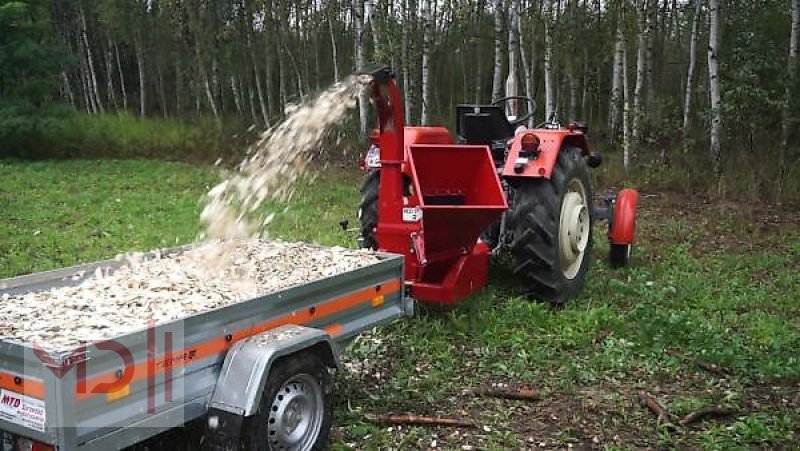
(523, 119)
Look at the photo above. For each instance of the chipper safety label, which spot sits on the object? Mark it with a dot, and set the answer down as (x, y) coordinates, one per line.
(22, 410)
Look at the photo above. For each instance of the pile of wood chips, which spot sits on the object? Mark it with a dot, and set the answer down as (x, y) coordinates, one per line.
(164, 287)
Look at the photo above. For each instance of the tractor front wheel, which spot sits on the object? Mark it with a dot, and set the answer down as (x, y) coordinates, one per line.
(552, 222)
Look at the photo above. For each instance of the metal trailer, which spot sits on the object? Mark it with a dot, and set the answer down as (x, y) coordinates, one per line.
(227, 365)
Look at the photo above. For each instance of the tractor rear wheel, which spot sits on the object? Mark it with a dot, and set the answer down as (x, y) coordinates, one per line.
(552, 222)
(368, 209)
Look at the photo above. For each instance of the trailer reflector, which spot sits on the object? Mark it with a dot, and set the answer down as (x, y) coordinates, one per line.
(118, 394)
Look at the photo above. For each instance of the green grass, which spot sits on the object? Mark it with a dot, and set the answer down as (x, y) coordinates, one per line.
(712, 282)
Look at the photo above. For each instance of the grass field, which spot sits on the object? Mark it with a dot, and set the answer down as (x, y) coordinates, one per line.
(712, 284)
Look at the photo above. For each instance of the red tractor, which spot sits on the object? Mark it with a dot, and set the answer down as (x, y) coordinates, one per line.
(448, 207)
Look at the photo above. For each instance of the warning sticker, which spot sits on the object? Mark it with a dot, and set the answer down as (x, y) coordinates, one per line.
(22, 410)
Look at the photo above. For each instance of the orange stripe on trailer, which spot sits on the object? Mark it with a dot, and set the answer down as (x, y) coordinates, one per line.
(19, 384)
(213, 347)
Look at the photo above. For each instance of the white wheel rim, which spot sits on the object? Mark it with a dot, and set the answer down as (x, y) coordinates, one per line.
(574, 228)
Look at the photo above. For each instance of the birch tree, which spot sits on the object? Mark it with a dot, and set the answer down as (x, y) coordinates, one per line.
(426, 44)
(791, 83)
(687, 98)
(616, 81)
(714, 86)
(513, 51)
(641, 56)
(361, 45)
(497, 80)
(549, 81)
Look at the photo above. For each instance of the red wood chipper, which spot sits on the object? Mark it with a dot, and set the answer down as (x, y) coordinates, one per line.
(449, 207)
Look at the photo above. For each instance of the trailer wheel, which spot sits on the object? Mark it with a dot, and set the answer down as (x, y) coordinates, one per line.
(553, 229)
(368, 209)
(295, 412)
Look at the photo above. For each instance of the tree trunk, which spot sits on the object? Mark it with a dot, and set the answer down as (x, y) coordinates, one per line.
(93, 87)
(791, 82)
(616, 83)
(640, 74)
(209, 92)
(334, 52)
(626, 128)
(714, 87)
(67, 89)
(111, 91)
(178, 88)
(361, 48)
(549, 80)
(121, 77)
(162, 94)
(512, 107)
(406, 62)
(527, 65)
(142, 82)
(497, 81)
(426, 44)
(687, 98)
(237, 100)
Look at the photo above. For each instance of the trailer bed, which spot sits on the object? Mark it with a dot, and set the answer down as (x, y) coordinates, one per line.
(71, 396)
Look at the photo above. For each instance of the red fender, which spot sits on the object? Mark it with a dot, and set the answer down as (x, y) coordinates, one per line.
(623, 225)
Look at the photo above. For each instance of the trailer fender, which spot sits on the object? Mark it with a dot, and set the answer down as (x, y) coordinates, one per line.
(244, 372)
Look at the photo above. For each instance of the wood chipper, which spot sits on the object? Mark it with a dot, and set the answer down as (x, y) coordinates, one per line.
(450, 206)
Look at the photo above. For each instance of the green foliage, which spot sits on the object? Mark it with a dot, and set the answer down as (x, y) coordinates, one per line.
(29, 61)
(62, 133)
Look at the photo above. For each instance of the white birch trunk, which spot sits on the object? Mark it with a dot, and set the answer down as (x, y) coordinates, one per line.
(334, 52)
(121, 77)
(687, 98)
(549, 81)
(94, 89)
(142, 81)
(791, 82)
(236, 98)
(406, 54)
(714, 86)
(110, 90)
(363, 101)
(209, 93)
(626, 110)
(427, 33)
(512, 107)
(616, 84)
(640, 73)
(497, 81)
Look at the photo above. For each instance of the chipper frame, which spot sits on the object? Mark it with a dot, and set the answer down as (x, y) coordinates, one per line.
(436, 220)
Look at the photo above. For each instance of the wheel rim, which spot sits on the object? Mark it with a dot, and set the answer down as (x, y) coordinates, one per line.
(295, 418)
(574, 228)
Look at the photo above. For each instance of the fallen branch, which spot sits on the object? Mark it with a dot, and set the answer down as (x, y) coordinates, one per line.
(655, 407)
(707, 412)
(416, 420)
(707, 366)
(520, 394)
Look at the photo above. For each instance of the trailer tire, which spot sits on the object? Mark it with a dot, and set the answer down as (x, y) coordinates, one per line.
(295, 412)
(551, 250)
(368, 209)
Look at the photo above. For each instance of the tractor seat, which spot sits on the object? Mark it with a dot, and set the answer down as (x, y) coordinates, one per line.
(482, 124)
